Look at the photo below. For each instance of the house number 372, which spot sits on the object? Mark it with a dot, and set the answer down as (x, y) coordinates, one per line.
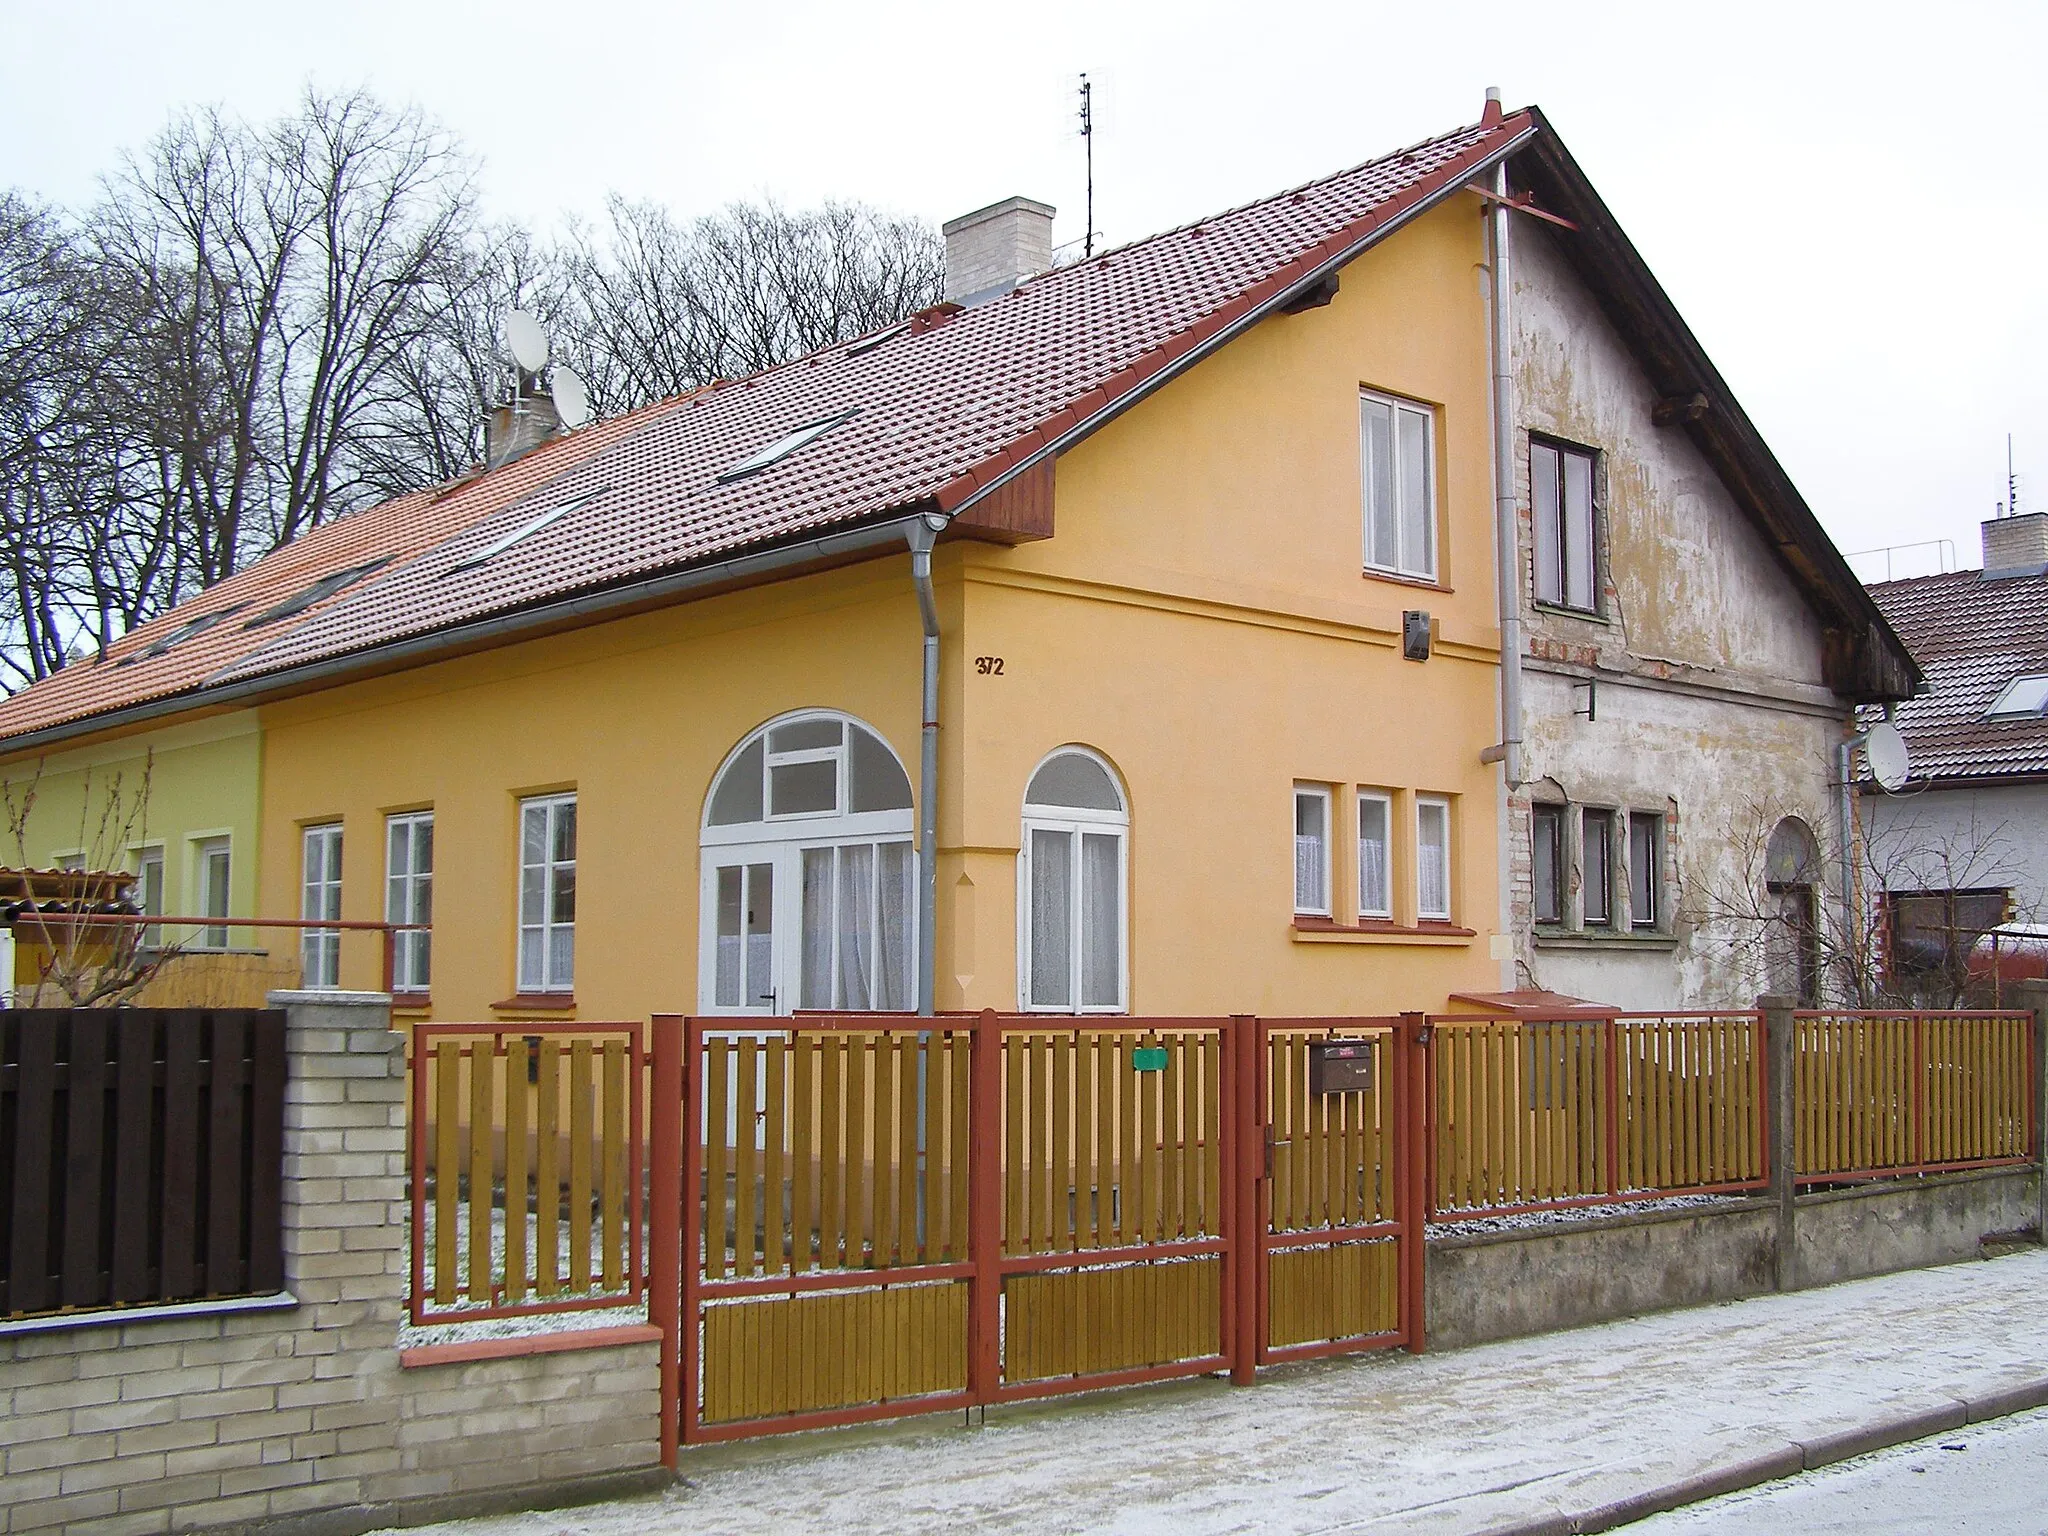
(989, 666)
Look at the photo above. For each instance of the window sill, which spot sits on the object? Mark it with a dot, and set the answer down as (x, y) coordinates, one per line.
(1588, 938)
(1401, 579)
(1316, 930)
(536, 1002)
(1563, 611)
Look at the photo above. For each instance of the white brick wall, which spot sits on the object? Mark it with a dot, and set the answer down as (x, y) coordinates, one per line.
(227, 1419)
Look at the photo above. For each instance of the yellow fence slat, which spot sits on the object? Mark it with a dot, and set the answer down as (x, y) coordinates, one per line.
(579, 1164)
(447, 1165)
(547, 1182)
(614, 1153)
(518, 1101)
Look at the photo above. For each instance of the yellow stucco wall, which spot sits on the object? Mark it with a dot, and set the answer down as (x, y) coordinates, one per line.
(1200, 618)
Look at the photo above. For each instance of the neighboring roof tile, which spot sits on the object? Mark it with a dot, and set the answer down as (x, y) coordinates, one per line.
(1971, 637)
(396, 530)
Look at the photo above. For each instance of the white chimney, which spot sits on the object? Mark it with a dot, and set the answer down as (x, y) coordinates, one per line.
(518, 427)
(2016, 545)
(993, 249)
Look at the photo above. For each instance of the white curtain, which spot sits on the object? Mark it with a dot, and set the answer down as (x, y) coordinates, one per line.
(727, 991)
(856, 926)
(1373, 895)
(1308, 872)
(758, 915)
(1101, 920)
(1052, 919)
(896, 988)
(1433, 860)
(815, 988)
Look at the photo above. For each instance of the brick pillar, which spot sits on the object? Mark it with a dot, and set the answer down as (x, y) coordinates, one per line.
(345, 1248)
(1780, 1052)
(2033, 996)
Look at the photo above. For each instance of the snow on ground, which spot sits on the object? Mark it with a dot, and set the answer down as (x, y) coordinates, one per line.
(1989, 1480)
(1463, 1441)
(621, 1313)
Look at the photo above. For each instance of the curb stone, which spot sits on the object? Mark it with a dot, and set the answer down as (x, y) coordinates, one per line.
(1795, 1457)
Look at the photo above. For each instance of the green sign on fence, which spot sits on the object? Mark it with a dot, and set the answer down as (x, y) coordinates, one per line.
(1149, 1058)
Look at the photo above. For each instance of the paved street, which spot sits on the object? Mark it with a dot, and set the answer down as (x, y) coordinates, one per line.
(1478, 1440)
(1987, 1480)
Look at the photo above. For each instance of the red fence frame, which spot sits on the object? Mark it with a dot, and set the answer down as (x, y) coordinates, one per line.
(636, 1142)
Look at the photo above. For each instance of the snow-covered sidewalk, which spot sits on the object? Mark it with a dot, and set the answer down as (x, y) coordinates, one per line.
(1518, 1436)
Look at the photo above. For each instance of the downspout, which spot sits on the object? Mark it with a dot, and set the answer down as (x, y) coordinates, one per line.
(922, 534)
(1507, 561)
(1843, 758)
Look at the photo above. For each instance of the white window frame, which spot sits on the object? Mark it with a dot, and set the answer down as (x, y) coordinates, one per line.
(2024, 698)
(1560, 543)
(320, 865)
(1423, 911)
(1606, 817)
(1406, 562)
(1384, 912)
(543, 932)
(1320, 904)
(405, 896)
(205, 849)
(780, 842)
(146, 854)
(1075, 822)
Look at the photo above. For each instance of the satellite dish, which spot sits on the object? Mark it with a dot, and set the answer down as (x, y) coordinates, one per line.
(572, 400)
(528, 340)
(1885, 750)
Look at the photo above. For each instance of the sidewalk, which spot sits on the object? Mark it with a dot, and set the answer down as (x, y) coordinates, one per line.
(1569, 1431)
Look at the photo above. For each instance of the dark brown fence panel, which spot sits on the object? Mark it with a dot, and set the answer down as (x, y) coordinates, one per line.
(140, 1156)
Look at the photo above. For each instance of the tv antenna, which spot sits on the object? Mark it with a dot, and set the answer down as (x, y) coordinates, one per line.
(2012, 482)
(1088, 144)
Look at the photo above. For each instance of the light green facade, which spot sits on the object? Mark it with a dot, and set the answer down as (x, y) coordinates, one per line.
(203, 782)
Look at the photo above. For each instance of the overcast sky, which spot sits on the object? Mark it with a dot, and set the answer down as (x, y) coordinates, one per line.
(1845, 202)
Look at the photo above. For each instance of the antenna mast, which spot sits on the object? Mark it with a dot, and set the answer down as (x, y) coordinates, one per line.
(2012, 482)
(1088, 142)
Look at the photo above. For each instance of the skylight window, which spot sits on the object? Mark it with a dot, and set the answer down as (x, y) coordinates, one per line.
(784, 446)
(2023, 698)
(321, 590)
(525, 531)
(869, 343)
(184, 632)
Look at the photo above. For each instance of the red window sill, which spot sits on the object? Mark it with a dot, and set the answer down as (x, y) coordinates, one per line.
(537, 1002)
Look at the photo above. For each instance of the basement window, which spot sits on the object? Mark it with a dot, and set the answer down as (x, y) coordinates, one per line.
(325, 587)
(184, 632)
(784, 446)
(524, 531)
(2024, 698)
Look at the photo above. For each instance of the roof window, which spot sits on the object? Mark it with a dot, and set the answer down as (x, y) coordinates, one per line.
(784, 446)
(2024, 698)
(184, 632)
(321, 590)
(525, 531)
(869, 343)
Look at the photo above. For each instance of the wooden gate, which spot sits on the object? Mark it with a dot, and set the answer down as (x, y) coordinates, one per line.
(879, 1215)
(1341, 1196)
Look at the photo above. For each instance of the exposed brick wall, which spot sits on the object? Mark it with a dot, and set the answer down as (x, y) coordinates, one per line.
(220, 1420)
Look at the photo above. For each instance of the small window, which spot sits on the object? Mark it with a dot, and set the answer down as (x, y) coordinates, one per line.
(524, 531)
(784, 446)
(214, 887)
(184, 632)
(1596, 854)
(1433, 859)
(149, 891)
(321, 590)
(1561, 506)
(1645, 871)
(547, 894)
(2023, 698)
(1400, 499)
(320, 901)
(409, 897)
(1312, 850)
(1547, 861)
(1375, 855)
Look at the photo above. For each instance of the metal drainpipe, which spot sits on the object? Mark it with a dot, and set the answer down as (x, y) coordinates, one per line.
(922, 534)
(1507, 562)
(1844, 756)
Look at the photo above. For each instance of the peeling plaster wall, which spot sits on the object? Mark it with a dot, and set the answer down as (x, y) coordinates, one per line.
(1707, 661)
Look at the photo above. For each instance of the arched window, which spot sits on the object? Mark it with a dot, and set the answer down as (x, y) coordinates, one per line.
(1071, 878)
(1792, 874)
(809, 875)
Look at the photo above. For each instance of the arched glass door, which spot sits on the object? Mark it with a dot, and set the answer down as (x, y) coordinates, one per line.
(809, 893)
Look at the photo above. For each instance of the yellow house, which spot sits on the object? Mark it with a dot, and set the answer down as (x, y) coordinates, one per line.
(1119, 637)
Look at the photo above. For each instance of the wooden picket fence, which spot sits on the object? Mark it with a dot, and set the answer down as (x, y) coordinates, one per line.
(527, 1151)
(1881, 1094)
(1545, 1114)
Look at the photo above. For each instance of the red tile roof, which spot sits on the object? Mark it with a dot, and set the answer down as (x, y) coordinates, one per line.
(944, 409)
(1971, 637)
